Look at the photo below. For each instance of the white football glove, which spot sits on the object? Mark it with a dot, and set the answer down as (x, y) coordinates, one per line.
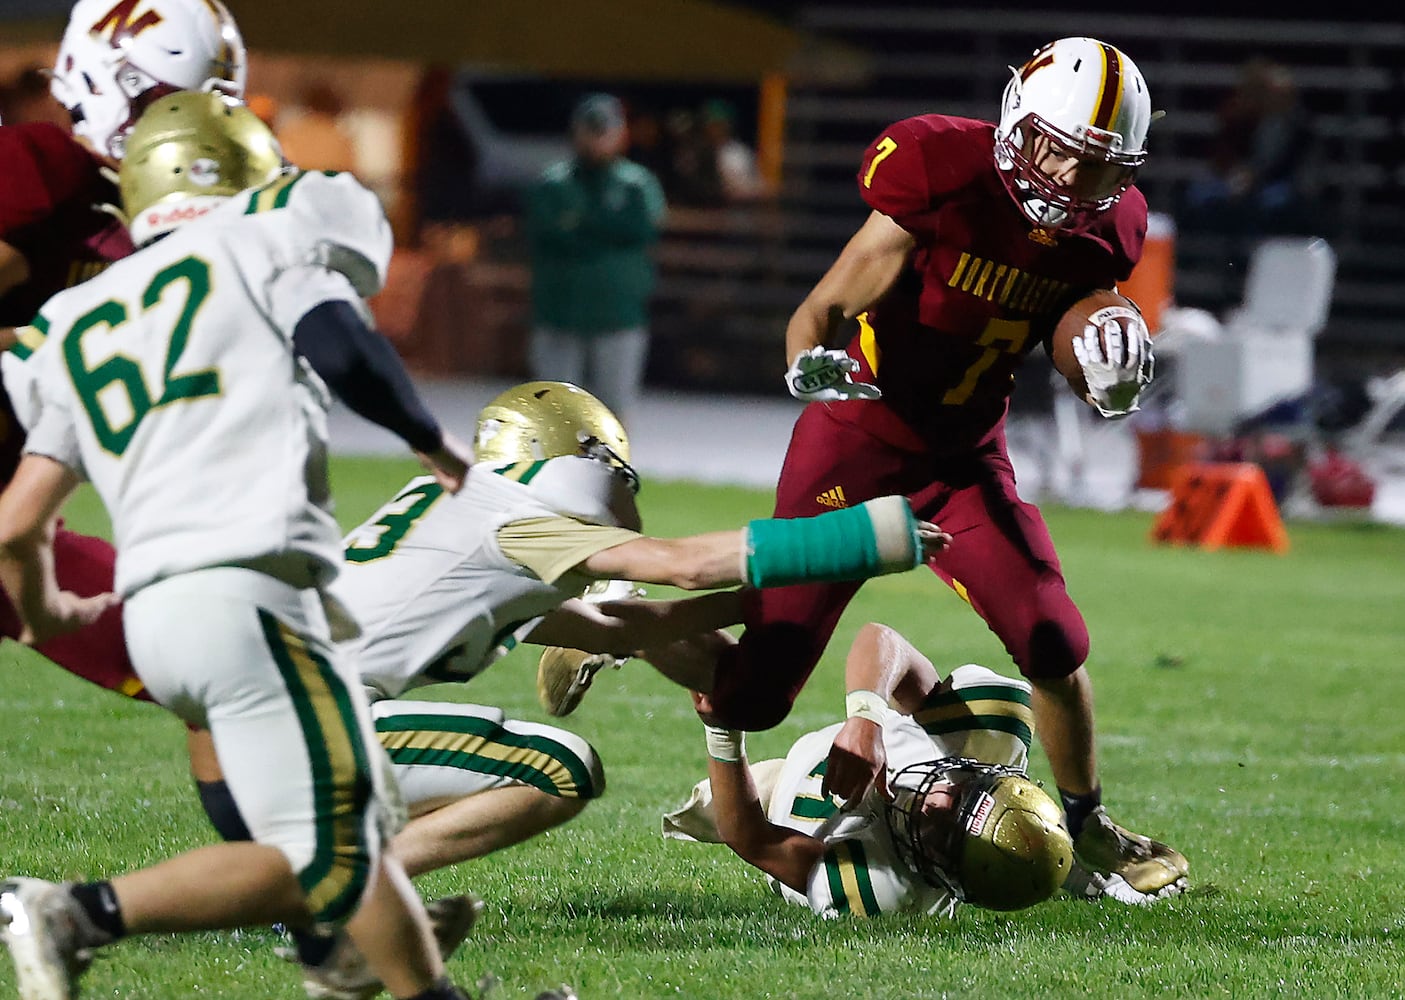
(823, 376)
(1117, 374)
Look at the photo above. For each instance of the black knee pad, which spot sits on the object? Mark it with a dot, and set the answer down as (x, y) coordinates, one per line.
(223, 813)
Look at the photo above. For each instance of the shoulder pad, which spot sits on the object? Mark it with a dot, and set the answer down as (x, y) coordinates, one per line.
(918, 161)
(581, 488)
(338, 223)
(973, 674)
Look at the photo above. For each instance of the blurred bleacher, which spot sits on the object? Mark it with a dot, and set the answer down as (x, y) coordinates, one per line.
(730, 278)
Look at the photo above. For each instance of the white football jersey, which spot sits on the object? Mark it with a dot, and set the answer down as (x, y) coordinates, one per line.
(170, 380)
(978, 714)
(427, 580)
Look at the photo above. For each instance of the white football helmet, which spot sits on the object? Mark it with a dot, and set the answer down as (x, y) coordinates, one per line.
(1075, 98)
(118, 55)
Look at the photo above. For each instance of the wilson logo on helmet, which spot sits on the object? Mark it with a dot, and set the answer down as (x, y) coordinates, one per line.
(119, 23)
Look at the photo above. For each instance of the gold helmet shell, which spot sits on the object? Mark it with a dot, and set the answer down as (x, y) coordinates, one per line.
(535, 421)
(999, 843)
(1020, 853)
(188, 147)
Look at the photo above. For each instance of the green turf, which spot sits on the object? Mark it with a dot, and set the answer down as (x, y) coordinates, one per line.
(1249, 711)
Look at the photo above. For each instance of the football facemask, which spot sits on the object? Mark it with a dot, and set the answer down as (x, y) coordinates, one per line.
(1072, 132)
(118, 55)
(983, 832)
(536, 421)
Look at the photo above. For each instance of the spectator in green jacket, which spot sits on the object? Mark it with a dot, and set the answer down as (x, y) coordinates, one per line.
(591, 221)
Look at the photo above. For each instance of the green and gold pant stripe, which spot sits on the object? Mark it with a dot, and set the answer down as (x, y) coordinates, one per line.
(485, 747)
(336, 877)
(846, 868)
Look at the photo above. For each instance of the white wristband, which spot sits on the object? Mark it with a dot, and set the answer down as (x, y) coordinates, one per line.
(868, 705)
(726, 745)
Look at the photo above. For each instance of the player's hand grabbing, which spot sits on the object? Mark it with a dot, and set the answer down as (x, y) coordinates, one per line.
(933, 538)
(825, 376)
(448, 463)
(66, 612)
(857, 761)
(1116, 356)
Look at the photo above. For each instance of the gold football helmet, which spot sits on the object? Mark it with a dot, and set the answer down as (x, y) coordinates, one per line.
(190, 146)
(536, 421)
(984, 832)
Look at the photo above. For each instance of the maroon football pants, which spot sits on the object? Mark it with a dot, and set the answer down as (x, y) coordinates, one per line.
(1001, 560)
(97, 653)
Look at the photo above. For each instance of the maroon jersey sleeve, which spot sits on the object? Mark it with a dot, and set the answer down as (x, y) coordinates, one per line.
(918, 163)
(44, 167)
(1128, 232)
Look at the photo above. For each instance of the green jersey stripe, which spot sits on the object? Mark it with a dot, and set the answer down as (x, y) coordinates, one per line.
(974, 723)
(28, 339)
(812, 807)
(281, 199)
(978, 692)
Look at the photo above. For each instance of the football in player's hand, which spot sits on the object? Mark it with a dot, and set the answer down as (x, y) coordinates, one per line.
(1072, 325)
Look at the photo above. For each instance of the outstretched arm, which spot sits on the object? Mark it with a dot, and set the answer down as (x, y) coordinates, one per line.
(876, 537)
(786, 855)
(624, 628)
(364, 371)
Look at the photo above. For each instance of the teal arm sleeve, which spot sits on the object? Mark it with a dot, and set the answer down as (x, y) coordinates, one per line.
(874, 538)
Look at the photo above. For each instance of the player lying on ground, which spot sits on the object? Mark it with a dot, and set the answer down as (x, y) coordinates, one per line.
(172, 381)
(918, 802)
(947, 816)
(442, 585)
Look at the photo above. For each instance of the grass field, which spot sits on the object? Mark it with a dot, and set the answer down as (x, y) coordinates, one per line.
(1249, 709)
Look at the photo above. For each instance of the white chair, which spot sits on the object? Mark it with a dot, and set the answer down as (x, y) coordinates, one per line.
(1262, 351)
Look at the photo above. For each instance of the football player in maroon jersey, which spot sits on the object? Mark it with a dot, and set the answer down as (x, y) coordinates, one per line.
(58, 227)
(981, 234)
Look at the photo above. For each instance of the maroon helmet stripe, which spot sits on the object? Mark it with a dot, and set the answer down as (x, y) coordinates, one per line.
(1112, 87)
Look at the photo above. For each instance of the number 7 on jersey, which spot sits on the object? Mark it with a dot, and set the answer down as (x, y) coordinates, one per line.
(885, 148)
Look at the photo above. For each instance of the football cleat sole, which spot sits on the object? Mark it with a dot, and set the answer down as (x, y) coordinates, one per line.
(564, 675)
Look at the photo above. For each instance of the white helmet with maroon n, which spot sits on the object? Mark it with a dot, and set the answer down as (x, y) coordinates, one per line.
(119, 55)
(1082, 98)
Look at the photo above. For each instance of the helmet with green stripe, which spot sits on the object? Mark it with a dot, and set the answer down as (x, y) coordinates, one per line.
(188, 152)
(983, 832)
(535, 421)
